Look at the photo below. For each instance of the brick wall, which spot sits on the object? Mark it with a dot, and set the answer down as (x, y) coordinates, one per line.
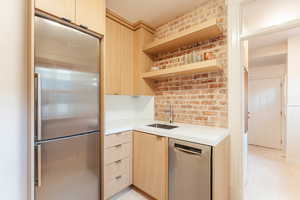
(199, 98)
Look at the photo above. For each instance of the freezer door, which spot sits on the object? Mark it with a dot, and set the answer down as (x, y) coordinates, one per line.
(67, 64)
(69, 169)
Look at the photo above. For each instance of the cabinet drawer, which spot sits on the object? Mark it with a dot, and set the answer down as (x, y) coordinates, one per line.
(118, 138)
(117, 168)
(116, 185)
(117, 152)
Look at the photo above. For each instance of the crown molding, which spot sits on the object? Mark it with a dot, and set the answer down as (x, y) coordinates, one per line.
(132, 26)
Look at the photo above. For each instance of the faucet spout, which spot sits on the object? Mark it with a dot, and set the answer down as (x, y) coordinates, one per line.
(171, 114)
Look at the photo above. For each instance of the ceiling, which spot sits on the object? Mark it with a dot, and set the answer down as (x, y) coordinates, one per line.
(256, 44)
(153, 12)
(273, 38)
(269, 40)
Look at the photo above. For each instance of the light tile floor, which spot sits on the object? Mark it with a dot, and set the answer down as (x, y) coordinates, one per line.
(270, 177)
(129, 194)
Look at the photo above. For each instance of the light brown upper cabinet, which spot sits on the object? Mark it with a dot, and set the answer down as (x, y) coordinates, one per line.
(142, 63)
(87, 13)
(60, 8)
(150, 164)
(119, 59)
(90, 13)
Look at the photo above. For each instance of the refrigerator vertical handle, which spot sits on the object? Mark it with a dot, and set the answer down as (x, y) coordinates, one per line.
(38, 166)
(38, 129)
(38, 108)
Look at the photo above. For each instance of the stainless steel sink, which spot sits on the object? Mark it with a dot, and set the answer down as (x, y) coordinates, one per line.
(163, 126)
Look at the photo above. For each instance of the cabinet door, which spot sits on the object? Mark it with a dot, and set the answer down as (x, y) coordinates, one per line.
(142, 63)
(59, 8)
(119, 59)
(112, 67)
(150, 164)
(91, 13)
(126, 57)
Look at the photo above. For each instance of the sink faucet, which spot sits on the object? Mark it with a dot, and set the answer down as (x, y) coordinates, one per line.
(171, 114)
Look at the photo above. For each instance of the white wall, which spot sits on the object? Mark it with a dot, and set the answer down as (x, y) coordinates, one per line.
(270, 50)
(294, 71)
(126, 111)
(293, 95)
(13, 124)
(265, 13)
(268, 71)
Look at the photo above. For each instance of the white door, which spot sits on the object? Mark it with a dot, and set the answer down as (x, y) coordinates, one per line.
(265, 113)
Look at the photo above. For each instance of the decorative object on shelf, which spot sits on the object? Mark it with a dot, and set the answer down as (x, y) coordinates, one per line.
(154, 68)
(182, 60)
(193, 56)
(208, 56)
(198, 57)
(190, 58)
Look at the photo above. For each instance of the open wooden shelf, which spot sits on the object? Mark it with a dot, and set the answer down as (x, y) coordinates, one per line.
(201, 32)
(204, 66)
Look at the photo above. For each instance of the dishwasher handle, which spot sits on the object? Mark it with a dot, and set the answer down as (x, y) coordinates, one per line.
(188, 149)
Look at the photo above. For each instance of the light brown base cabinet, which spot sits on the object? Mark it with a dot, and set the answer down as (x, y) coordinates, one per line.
(221, 170)
(150, 164)
(117, 163)
(146, 165)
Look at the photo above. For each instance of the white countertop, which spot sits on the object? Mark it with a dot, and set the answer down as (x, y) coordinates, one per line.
(192, 133)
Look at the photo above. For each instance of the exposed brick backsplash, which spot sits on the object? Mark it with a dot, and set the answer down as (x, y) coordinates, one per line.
(199, 98)
(205, 11)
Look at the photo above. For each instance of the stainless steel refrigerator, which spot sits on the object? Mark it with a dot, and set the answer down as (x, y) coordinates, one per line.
(66, 113)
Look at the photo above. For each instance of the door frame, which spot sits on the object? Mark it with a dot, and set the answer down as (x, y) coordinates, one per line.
(282, 105)
(236, 94)
(235, 100)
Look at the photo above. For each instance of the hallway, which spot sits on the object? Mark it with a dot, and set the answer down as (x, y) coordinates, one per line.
(270, 177)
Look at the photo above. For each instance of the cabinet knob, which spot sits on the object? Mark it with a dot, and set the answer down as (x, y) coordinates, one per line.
(83, 26)
(66, 19)
(118, 161)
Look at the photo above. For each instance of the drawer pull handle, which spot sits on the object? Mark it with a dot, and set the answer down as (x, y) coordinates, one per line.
(119, 145)
(84, 27)
(118, 177)
(66, 19)
(118, 161)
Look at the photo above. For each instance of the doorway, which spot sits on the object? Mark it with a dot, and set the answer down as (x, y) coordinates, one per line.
(267, 72)
(269, 173)
(265, 113)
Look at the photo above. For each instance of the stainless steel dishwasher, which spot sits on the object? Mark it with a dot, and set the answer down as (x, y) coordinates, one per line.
(189, 171)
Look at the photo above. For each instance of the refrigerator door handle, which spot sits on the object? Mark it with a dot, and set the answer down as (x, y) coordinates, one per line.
(38, 130)
(38, 107)
(38, 166)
